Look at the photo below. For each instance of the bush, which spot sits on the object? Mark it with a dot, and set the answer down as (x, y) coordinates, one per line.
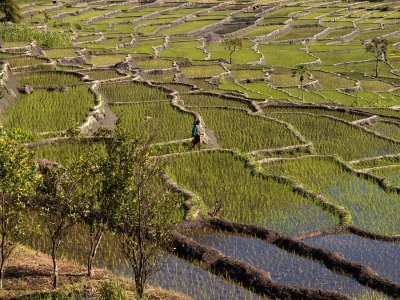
(112, 291)
(12, 32)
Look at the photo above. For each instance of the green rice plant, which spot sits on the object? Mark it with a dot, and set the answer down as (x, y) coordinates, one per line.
(106, 60)
(334, 57)
(102, 74)
(285, 11)
(376, 162)
(383, 111)
(132, 92)
(160, 76)
(170, 123)
(86, 15)
(370, 206)
(22, 61)
(68, 153)
(201, 84)
(153, 64)
(261, 30)
(331, 81)
(369, 68)
(285, 55)
(338, 33)
(349, 116)
(209, 70)
(285, 79)
(309, 96)
(180, 88)
(390, 130)
(299, 33)
(381, 256)
(267, 90)
(189, 53)
(342, 98)
(221, 178)
(202, 100)
(391, 175)
(61, 53)
(236, 129)
(146, 46)
(54, 78)
(284, 266)
(333, 137)
(232, 86)
(247, 73)
(375, 85)
(186, 27)
(44, 111)
(241, 56)
(270, 21)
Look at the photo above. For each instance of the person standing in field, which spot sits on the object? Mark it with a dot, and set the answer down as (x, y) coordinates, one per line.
(196, 133)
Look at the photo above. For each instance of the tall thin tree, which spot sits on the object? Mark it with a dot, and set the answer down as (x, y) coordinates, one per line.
(18, 178)
(145, 213)
(302, 71)
(378, 47)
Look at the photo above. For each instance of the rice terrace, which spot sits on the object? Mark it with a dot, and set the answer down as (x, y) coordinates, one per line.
(182, 149)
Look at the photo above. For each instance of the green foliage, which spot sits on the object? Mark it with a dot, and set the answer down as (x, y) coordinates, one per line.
(11, 10)
(12, 32)
(110, 290)
(232, 45)
(18, 178)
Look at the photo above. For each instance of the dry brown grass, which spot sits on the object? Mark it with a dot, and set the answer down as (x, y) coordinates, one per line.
(28, 272)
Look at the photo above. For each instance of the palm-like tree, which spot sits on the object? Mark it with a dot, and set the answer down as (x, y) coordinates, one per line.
(302, 71)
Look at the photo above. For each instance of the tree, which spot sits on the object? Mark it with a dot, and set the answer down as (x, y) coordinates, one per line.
(301, 71)
(11, 10)
(18, 178)
(59, 210)
(378, 47)
(146, 210)
(91, 176)
(232, 45)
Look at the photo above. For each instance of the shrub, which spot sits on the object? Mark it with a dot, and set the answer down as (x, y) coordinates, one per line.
(12, 32)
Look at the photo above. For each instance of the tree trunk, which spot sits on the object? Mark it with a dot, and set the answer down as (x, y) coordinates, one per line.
(3, 240)
(377, 69)
(302, 91)
(95, 239)
(230, 57)
(55, 263)
(1, 273)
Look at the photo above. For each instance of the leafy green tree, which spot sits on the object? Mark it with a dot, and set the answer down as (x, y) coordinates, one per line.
(301, 71)
(232, 45)
(145, 211)
(91, 177)
(11, 10)
(18, 178)
(378, 47)
(59, 210)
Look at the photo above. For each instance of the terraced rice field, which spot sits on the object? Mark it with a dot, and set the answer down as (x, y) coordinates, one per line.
(316, 162)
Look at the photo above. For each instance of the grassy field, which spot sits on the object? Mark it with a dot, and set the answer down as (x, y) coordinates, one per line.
(177, 68)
